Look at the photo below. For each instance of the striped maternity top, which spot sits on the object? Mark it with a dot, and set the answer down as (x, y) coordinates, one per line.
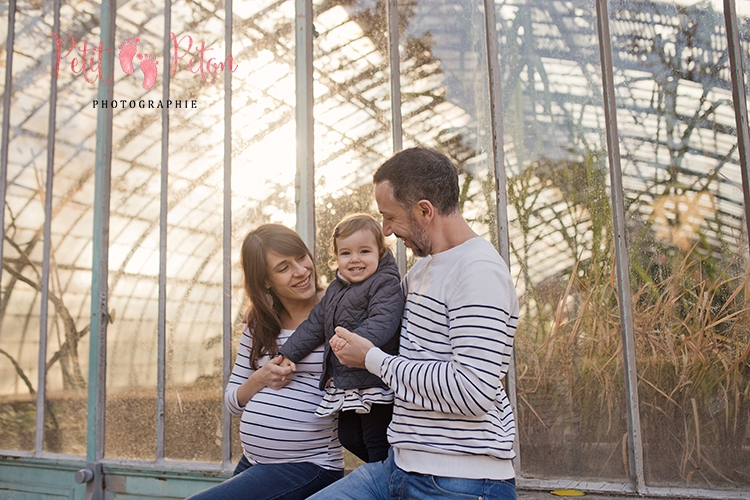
(281, 426)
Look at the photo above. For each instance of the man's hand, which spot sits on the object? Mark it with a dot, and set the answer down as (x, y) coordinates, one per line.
(350, 348)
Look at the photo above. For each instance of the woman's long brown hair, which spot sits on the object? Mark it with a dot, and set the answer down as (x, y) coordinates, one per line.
(264, 316)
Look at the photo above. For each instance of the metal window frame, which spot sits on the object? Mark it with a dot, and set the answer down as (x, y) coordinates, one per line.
(622, 262)
(5, 138)
(739, 95)
(100, 260)
(161, 346)
(397, 130)
(637, 483)
(305, 100)
(46, 247)
(226, 417)
(501, 181)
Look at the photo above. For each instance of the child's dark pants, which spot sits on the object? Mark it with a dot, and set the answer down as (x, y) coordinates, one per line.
(364, 434)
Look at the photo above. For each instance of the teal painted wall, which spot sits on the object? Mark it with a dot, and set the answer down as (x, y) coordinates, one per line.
(40, 479)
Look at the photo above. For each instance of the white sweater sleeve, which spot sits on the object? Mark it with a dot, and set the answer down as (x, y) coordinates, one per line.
(240, 373)
(464, 375)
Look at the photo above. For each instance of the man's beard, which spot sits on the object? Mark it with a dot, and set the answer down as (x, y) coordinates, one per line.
(421, 245)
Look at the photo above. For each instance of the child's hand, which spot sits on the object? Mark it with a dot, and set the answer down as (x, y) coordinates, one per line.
(286, 363)
(352, 349)
(337, 343)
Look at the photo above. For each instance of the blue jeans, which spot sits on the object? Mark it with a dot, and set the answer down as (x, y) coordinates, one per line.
(271, 481)
(384, 481)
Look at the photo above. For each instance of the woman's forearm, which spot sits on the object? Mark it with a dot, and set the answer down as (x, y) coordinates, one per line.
(249, 388)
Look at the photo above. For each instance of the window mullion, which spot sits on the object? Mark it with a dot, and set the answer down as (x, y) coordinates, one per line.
(5, 140)
(740, 100)
(622, 263)
(226, 418)
(100, 259)
(41, 392)
(397, 131)
(163, 211)
(305, 178)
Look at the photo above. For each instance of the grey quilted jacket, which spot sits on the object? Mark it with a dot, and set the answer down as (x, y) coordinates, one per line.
(371, 308)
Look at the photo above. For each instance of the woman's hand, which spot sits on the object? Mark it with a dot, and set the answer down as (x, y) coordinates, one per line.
(276, 373)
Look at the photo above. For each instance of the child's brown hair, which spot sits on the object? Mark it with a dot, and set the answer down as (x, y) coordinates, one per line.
(356, 222)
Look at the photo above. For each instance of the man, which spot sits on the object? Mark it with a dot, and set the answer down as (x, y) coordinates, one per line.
(453, 428)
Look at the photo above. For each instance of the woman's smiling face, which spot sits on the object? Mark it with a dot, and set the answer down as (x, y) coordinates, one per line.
(291, 278)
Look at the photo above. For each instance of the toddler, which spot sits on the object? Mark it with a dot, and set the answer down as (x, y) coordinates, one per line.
(365, 298)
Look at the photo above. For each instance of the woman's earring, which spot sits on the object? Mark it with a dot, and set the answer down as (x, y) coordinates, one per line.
(269, 297)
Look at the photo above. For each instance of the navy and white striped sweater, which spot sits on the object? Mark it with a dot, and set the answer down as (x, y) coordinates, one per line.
(452, 416)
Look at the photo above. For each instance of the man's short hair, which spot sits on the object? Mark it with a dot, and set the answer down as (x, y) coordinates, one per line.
(421, 174)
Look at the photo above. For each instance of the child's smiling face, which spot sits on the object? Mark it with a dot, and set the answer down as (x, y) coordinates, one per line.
(357, 256)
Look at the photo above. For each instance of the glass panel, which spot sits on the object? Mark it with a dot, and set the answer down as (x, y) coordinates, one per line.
(194, 241)
(263, 135)
(352, 116)
(568, 350)
(687, 240)
(263, 163)
(352, 113)
(743, 21)
(445, 97)
(263, 127)
(24, 222)
(70, 261)
(134, 232)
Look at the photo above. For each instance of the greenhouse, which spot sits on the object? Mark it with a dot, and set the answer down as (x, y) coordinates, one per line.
(602, 148)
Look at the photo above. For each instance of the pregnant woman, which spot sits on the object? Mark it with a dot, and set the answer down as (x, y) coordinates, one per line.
(288, 452)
